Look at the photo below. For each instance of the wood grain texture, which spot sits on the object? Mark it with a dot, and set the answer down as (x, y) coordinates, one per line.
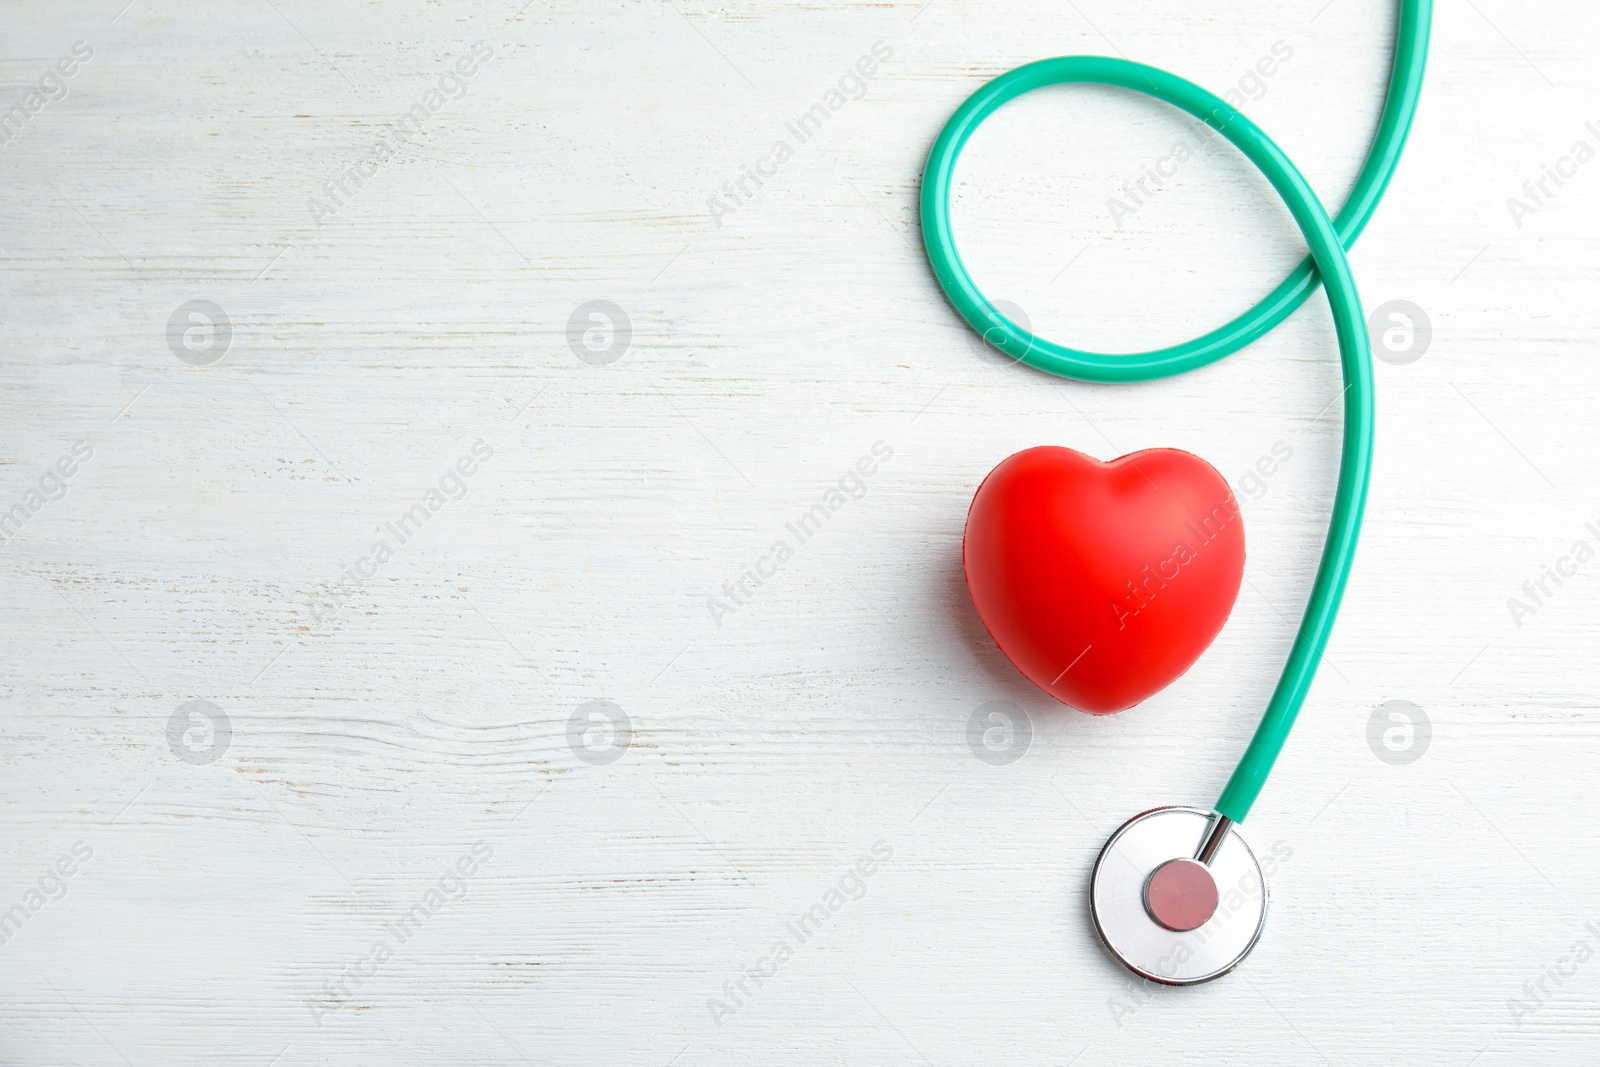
(384, 728)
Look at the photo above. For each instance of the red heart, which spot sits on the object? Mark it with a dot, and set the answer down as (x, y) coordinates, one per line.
(1103, 582)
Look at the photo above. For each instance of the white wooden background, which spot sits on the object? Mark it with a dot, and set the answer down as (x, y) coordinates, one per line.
(223, 903)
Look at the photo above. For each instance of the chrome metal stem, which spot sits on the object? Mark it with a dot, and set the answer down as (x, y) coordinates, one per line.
(1220, 825)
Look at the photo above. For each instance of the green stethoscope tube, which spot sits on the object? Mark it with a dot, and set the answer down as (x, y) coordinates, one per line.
(1327, 265)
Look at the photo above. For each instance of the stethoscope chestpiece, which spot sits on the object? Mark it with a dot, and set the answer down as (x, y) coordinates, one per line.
(1177, 896)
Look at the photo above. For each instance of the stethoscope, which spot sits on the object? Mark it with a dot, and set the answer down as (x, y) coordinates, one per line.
(1177, 895)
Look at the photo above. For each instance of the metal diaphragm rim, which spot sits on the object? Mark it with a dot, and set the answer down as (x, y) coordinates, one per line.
(1137, 941)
